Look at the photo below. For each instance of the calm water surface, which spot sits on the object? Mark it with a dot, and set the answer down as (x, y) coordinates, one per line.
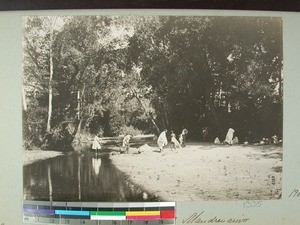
(80, 176)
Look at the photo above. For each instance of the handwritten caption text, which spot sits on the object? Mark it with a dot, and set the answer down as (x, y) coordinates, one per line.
(295, 193)
(201, 218)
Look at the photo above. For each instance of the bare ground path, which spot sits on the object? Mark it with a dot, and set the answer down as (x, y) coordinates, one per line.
(203, 171)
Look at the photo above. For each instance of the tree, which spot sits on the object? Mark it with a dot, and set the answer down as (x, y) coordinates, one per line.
(202, 66)
(51, 34)
(88, 74)
(35, 77)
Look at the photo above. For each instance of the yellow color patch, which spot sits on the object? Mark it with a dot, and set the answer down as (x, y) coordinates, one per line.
(142, 213)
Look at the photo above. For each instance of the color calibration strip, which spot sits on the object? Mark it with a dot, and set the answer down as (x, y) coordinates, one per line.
(38, 211)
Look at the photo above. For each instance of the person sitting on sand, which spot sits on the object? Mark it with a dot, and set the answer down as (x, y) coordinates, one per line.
(174, 142)
(182, 137)
(126, 140)
(229, 136)
(96, 143)
(162, 140)
(217, 141)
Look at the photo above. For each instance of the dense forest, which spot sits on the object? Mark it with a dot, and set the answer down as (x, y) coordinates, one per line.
(112, 75)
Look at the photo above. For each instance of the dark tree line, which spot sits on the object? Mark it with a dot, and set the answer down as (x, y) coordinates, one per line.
(88, 74)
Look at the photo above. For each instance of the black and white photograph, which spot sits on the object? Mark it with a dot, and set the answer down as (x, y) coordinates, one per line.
(152, 108)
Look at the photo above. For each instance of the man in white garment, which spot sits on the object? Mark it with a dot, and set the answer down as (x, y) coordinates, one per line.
(229, 136)
(162, 140)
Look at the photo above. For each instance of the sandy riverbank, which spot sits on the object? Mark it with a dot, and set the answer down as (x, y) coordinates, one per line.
(36, 155)
(206, 172)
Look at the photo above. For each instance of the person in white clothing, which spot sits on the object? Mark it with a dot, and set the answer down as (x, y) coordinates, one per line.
(182, 137)
(96, 143)
(229, 136)
(174, 142)
(162, 140)
(126, 141)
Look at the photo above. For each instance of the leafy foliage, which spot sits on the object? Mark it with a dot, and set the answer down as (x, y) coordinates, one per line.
(116, 74)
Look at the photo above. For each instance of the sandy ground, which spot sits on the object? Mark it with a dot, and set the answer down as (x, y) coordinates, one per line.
(206, 172)
(36, 155)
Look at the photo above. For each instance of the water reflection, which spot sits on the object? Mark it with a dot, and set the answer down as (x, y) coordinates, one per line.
(96, 165)
(49, 182)
(80, 176)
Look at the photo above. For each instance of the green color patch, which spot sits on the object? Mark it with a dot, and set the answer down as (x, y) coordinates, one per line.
(107, 213)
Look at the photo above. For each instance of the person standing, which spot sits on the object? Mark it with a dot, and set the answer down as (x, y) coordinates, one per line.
(205, 133)
(162, 140)
(174, 142)
(96, 143)
(182, 137)
(126, 141)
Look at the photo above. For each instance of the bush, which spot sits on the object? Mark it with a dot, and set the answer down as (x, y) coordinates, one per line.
(129, 130)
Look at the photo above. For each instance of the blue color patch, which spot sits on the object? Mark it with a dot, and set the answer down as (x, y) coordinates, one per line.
(72, 213)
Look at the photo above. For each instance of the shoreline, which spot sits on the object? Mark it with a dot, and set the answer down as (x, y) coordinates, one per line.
(202, 171)
(32, 156)
(199, 171)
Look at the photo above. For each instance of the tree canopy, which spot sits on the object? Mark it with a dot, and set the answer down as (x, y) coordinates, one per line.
(141, 74)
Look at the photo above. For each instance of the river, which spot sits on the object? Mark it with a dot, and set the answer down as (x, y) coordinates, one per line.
(80, 176)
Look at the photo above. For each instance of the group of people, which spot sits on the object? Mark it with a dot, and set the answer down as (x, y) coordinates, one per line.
(230, 138)
(125, 144)
(162, 140)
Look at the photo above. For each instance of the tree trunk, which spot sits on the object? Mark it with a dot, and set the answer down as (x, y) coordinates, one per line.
(151, 117)
(24, 98)
(50, 78)
(50, 89)
(155, 125)
(209, 100)
(78, 105)
(77, 132)
(167, 119)
(79, 127)
(213, 112)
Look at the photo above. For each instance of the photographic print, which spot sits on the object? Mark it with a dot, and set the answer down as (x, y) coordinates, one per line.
(152, 108)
